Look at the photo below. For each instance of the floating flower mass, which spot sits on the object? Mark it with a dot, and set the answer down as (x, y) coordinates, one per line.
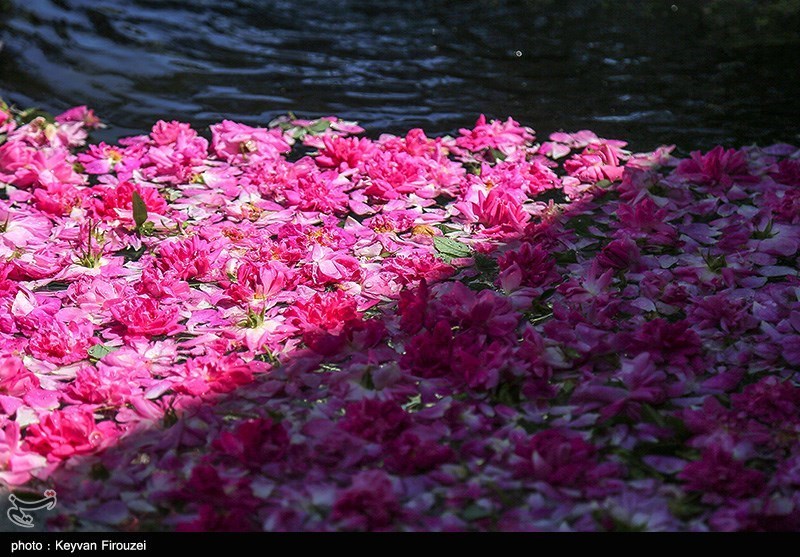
(292, 328)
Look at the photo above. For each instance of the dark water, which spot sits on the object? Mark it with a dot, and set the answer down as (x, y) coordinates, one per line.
(651, 72)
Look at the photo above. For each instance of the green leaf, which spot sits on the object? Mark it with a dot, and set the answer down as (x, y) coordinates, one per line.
(652, 415)
(319, 126)
(686, 507)
(99, 472)
(445, 229)
(30, 114)
(475, 512)
(148, 229)
(99, 351)
(170, 417)
(131, 254)
(508, 394)
(54, 286)
(413, 404)
(449, 248)
(139, 210)
(497, 154)
(486, 265)
(367, 382)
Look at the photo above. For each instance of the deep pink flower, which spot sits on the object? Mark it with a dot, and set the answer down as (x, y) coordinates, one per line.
(723, 312)
(771, 401)
(325, 192)
(62, 343)
(216, 518)
(257, 282)
(94, 386)
(594, 284)
(58, 199)
(15, 380)
(674, 343)
(121, 197)
(485, 313)
(735, 235)
(189, 258)
(788, 172)
(408, 454)
(158, 284)
(412, 307)
(63, 433)
(331, 447)
(529, 265)
(375, 420)
(531, 177)
(417, 266)
(479, 364)
(255, 442)
(645, 220)
(370, 503)
(619, 254)
(503, 136)
(205, 485)
(717, 167)
(594, 164)
(14, 156)
(500, 212)
(428, 354)
(216, 374)
(329, 311)
(581, 139)
(343, 153)
(18, 230)
(719, 473)
(393, 221)
(144, 316)
(389, 176)
(559, 459)
(785, 205)
(327, 266)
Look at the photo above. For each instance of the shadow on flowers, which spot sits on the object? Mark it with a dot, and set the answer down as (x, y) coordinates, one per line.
(291, 328)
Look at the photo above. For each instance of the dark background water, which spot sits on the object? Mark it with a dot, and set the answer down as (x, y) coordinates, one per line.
(693, 73)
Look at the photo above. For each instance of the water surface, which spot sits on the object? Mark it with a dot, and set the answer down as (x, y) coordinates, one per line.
(648, 71)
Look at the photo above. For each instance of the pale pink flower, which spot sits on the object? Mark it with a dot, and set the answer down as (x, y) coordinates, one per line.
(16, 464)
(238, 143)
(7, 123)
(81, 114)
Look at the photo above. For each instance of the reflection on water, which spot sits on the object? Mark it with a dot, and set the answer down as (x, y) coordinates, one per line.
(648, 71)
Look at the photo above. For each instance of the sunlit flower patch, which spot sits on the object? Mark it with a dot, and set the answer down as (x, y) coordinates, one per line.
(298, 328)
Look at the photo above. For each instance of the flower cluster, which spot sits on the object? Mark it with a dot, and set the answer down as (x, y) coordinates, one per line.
(293, 328)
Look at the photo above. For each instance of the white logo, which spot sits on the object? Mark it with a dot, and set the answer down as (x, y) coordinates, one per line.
(16, 512)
